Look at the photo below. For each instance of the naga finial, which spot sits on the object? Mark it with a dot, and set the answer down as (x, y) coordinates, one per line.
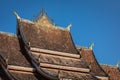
(59, 74)
(91, 46)
(68, 27)
(17, 16)
(117, 65)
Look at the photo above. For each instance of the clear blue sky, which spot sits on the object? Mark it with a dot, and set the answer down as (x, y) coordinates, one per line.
(95, 21)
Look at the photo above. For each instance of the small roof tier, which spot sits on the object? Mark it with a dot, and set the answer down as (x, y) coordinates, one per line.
(89, 57)
(11, 52)
(10, 49)
(112, 71)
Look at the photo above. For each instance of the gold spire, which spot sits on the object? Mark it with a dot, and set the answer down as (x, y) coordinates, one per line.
(43, 20)
(17, 16)
(91, 46)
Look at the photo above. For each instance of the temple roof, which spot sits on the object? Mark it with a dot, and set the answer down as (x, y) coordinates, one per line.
(41, 50)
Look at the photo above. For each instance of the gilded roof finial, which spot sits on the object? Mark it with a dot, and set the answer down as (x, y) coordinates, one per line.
(43, 12)
(68, 27)
(29, 43)
(17, 16)
(117, 65)
(91, 46)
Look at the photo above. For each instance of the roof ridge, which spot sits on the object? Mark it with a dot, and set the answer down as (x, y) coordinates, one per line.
(41, 14)
(108, 65)
(81, 47)
(8, 34)
(27, 20)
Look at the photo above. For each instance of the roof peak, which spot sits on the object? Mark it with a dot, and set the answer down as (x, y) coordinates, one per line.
(41, 14)
(43, 20)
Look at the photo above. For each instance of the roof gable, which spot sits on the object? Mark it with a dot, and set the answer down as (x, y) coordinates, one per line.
(44, 21)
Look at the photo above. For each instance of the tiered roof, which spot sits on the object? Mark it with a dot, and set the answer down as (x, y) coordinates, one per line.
(43, 51)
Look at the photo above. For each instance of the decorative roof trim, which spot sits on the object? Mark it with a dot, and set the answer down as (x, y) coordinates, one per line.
(55, 53)
(32, 70)
(91, 46)
(57, 56)
(102, 77)
(117, 64)
(17, 16)
(26, 20)
(43, 13)
(67, 68)
(81, 47)
(68, 27)
(8, 34)
(108, 65)
(21, 68)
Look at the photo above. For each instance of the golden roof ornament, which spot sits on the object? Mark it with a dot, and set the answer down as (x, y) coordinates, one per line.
(91, 46)
(68, 27)
(117, 65)
(17, 16)
(44, 21)
(59, 74)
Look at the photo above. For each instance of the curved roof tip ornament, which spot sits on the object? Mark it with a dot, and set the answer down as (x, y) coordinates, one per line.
(91, 46)
(17, 16)
(58, 74)
(117, 65)
(68, 27)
